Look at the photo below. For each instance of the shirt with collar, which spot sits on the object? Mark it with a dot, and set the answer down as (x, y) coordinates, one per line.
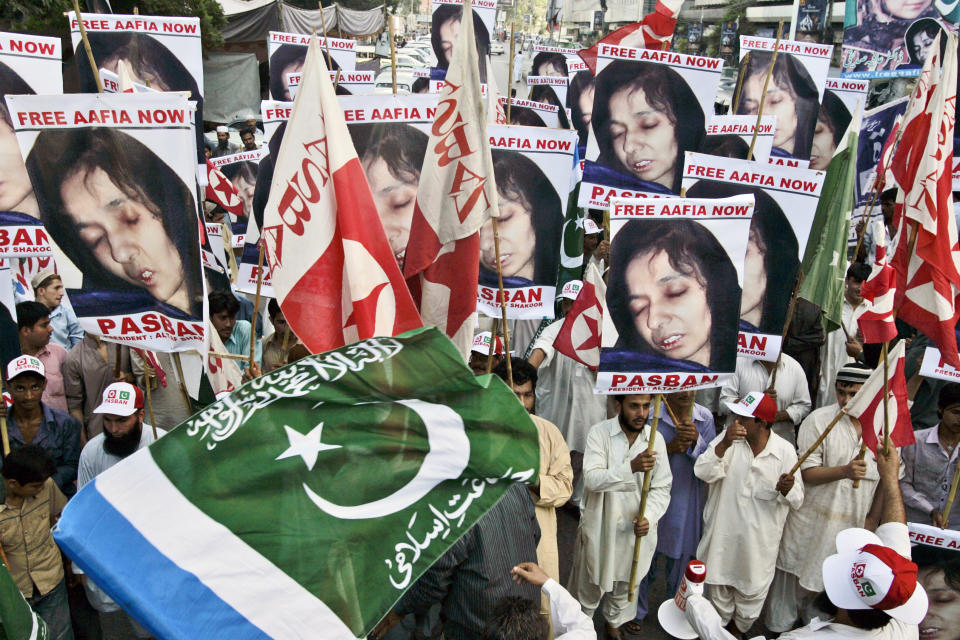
(53, 356)
(66, 328)
(928, 471)
(239, 344)
(58, 435)
(32, 556)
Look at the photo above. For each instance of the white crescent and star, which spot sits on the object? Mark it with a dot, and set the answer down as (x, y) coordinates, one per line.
(306, 446)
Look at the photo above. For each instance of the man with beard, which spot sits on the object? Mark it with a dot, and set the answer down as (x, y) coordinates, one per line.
(124, 432)
(224, 146)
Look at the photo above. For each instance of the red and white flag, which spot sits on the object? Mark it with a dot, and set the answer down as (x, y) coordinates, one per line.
(222, 192)
(650, 33)
(579, 336)
(333, 271)
(456, 195)
(877, 323)
(926, 250)
(867, 404)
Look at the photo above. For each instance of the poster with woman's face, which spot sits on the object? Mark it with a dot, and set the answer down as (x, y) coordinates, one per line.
(346, 83)
(649, 108)
(532, 169)
(731, 137)
(673, 294)
(891, 38)
(785, 203)
(532, 114)
(842, 99)
(445, 25)
(241, 169)
(115, 180)
(28, 64)
(793, 93)
(287, 51)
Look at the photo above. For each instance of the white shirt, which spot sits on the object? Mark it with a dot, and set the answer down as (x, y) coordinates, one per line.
(793, 396)
(611, 499)
(566, 616)
(833, 355)
(743, 491)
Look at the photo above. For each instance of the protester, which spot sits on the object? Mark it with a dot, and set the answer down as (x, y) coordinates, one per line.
(34, 331)
(518, 67)
(224, 146)
(930, 463)
(833, 118)
(248, 137)
(888, 201)
(804, 341)
(33, 505)
(752, 490)
(48, 289)
(842, 345)
(124, 433)
(223, 308)
(680, 528)
(88, 369)
(614, 462)
(939, 575)
(276, 348)
(30, 421)
(831, 503)
(16, 192)
(790, 392)
(568, 622)
(165, 399)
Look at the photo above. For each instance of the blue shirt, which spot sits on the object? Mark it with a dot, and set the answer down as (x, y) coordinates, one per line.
(239, 343)
(66, 327)
(59, 435)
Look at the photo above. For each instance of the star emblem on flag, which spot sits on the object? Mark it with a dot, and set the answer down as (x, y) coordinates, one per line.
(307, 446)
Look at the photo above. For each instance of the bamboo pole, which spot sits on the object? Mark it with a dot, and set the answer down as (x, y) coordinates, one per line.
(228, 356)
(953, 494)
(256, 305)
(865, 219)
(647, 476)
(118, 353)
(4, 434)
(786, 327)
(503, 301)
(745, 63)
(493, 344)
(763, 96)
(886, 409)
(510, 66)
(147, 373)
(183, 384)
(819, 441)
(860, 456)
(393, 54)
(87, 47)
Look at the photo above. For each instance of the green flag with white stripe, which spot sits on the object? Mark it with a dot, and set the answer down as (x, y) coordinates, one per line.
(17, 620)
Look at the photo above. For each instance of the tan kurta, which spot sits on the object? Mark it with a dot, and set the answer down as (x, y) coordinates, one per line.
(25, 535)
(556, 487)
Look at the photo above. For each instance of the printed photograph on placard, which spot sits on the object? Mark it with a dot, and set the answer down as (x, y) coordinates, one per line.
(580, 102)
(891, 38)
(649, 108)
(532, 114)
(242, 169)
(287, 51)
(841, 99)
(29, 64)
(785, 203)
(731, 136)
(115, 181)
(532, 171)
(445, 25)
(673, 294)
(875, 129)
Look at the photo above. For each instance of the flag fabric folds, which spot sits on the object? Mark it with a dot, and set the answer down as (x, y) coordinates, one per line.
(303, 504)
(222, 192)
(651, 32)
(824, 265)
(877, 324)
(579, 336)
(867, 404)
(17, 620)
(926, 249)
(333, 271)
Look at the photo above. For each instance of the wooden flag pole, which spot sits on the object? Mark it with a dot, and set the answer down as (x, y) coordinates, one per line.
(183, 384)
(886, 414)
(493, 344)
(819, 441)
(763, 96)
(736, 92)
(229, 356)
(860, 456)
(950, 496)
(256, 305)
(503, 301)
(117, 362)
(4, 434)
(865, 219)
(326, 45)
(786, 327)
(87, 47)
(393, 53)
(647, 476)
(513, 50)
(147, 374)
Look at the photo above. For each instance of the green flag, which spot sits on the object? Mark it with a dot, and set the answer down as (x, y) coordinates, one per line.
(824, 264)
(571, 249)
(304, 503)
(17, 620)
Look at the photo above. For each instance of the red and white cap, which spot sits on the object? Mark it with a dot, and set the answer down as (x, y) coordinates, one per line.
(481, 344)
(865, 574)
(571, 289)
(590, 227)
(25, 364)
(755, 405)
(121, 399)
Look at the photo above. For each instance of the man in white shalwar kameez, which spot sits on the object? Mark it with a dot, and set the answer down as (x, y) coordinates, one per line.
(842, 345)
(831, 504)
(751, 491)
(613, 465)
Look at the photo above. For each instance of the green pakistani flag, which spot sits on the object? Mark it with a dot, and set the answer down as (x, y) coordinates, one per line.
(305, 503)
(571, 249)
(824, 264)
(17, 620)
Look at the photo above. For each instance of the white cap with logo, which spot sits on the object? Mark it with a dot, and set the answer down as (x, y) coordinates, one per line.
(25, 364)
(120, 399)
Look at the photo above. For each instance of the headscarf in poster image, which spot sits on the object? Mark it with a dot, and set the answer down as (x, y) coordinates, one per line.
(833, 118)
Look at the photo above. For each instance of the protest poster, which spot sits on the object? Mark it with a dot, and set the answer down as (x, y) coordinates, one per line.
(532, 170)
(531, 113)
(580, 94)
(673, 294)
(811, 17)
(287, 51)
(921, 533)
(163, 53)
(890, 39)
(695, 34)
(633, 156)
(111, 83)
(241, 169)
(22, 236)
(273, 113)
(347, 83)
(445, 25)
(934, 366)
(730, 136)
(794, 92)
(875, 129)
(842, 98)
(728, 35)
(547, 87)
(28, 64)
(115, 180)
(785, 204)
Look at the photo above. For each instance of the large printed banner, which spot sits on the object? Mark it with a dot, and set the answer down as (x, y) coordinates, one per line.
(875, 129)
(28, 64)
(273, 113)
(649, 108)
(786, 201)
(731, 136)
(934, 366)
(115, 180)
(532, 168)
(673, 295)
(349, 83)
(884, 39)
(287, 51)
(811, 16)
(22, 236)
(445, 25)
(794, 93)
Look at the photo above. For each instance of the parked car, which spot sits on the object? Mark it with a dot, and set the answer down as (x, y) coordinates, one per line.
(496, 48)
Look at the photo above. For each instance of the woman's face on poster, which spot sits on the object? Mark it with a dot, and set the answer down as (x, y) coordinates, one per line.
(550, 69)
(942, 621)
(921, 43)
(669, 308)
(754, 280)
(15, 186)
(906, 9)
(294, 67)
(448, 35)
(586, 104)
(395, 199)
(643, 137)
(821, 151)
(246, 189)
(142, 73)
(517, 239)
(779, 102)
(126, 238)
